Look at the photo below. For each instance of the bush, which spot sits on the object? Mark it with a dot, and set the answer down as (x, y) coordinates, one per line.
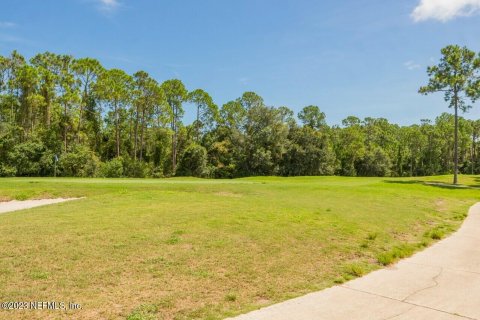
(157, 172)
(194, 162)
(80, 162)
(223, 172)
(375, 163)
(47, 163)
(135, 169)
(25, 158)
(112, 168)
(7, 171)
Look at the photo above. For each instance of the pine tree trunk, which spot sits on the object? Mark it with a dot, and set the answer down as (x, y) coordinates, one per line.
(455, 161)
(174, 144)
(83, 105)
(47, 111)
(472, 151)
(474, 161)
(142, 130)
(80, 116)
(197, 126)
(117, 134)
(135, 134)
(65, 128)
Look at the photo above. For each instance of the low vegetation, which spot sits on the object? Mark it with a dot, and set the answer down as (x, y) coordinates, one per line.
(186, 248)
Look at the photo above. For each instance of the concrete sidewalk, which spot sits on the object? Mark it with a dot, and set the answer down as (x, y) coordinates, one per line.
(439, 283)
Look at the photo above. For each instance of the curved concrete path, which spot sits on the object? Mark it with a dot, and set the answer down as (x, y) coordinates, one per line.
(440, 283)
(16, 205)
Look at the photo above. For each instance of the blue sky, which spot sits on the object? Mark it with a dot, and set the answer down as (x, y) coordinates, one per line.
(349, 57)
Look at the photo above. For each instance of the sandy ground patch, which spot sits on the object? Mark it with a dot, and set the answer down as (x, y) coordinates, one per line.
(16, 205)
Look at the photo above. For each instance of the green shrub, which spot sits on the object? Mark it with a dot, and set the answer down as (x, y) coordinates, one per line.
(194, 162)
(7, 171)
(80, 162)
(157, 172)
(134, 169)
(375, 163)
(223, 172)
(112, 168)
(47, 163)
(25, 157)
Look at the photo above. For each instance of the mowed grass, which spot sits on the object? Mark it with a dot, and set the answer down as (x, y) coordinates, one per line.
(208, 249)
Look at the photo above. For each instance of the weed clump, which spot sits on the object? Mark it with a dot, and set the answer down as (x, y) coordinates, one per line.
(354, 270)
(231, 297)
(438, 232)
(397, 252)
(175, 237)
(372, 236)
(339, 280)
(144, 312)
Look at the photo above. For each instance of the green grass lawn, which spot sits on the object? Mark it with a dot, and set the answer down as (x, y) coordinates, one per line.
(207, 249)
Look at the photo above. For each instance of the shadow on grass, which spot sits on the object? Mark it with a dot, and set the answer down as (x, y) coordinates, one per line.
(437, 184)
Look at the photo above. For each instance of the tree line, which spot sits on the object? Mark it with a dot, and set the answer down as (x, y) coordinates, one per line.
(64, 116)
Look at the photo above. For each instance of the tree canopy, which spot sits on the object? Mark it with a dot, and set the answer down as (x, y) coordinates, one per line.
(74, 115)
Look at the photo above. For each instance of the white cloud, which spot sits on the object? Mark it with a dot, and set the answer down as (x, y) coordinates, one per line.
(108, 5)
(444, 10)
(244, 80)
(7, 24)
(6, 36)
(12, 39)
(411, 65)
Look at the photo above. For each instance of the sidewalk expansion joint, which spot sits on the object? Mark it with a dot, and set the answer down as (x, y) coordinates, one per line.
(410, 303)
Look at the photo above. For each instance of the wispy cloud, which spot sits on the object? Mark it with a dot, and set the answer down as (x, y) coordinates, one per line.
(7, 24)
(108, 6)
(13, 39)
(244, 80)
(444, 10)
(7, 35)
(112, 4)
(411, 65)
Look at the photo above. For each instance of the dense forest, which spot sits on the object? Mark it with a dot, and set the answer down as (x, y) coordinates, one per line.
(71, 117)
